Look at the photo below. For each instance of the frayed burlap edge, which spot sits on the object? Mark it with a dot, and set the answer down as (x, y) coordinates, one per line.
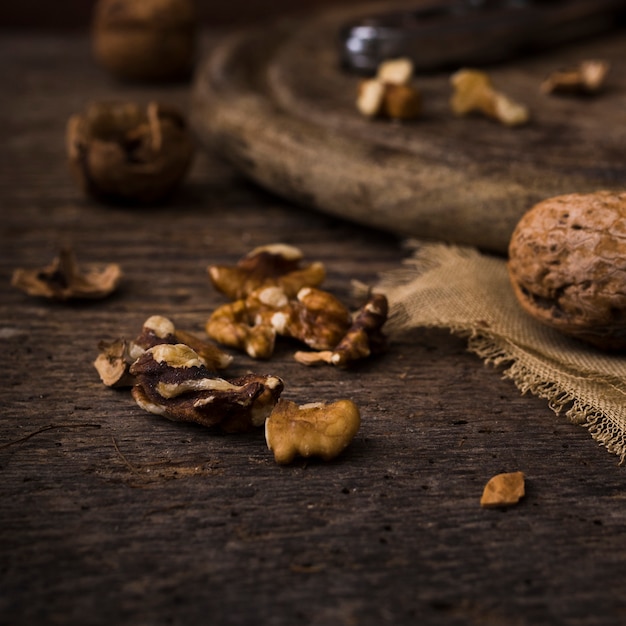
(595, 400)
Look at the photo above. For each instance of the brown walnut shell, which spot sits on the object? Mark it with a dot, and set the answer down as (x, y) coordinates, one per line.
(567, 265)
(128, 152)
(145, 40)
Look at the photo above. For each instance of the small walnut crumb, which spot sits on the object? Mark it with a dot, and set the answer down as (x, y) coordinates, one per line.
(316, 429)
(395, 71)
(474, 93)
(503, 490)
(113, 363)
(63, 279)
(588, 77)
(371, 93)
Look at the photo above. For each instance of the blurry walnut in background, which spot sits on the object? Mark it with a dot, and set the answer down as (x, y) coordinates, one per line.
(145, 40)
(128, 152)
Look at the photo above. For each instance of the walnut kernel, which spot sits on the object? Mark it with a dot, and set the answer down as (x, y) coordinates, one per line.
(315, 429)
(63, 279)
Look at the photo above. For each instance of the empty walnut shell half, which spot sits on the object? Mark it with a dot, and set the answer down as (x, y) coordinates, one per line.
(128, 152)
(145, 40)
(567, 265)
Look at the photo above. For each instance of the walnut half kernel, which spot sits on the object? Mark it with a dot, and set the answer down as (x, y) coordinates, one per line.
(311, 430)
(172, 381)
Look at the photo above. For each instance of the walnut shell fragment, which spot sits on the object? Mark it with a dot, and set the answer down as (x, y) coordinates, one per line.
(125, 152)
(115, 359)
(317, 429)
(567, 266)
(63, 279)
(275, 264)
(172, 381)
(503, 490)
(316, 318)
(145, 40)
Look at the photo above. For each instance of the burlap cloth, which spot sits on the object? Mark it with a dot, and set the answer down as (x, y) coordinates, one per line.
(469, 293)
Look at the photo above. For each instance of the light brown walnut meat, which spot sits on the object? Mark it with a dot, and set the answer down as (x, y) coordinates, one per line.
(316, 429)
(115, 358)
(275, 264)
(567, 265)
(364, 337)
(503, 490)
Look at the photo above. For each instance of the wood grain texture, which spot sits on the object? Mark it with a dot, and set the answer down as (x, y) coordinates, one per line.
(277, 104)
(113, 516)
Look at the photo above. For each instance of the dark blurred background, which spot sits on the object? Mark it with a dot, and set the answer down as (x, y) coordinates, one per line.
(76, 14)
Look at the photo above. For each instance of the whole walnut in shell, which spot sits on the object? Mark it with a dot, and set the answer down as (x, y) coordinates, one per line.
(567, 265)
(145, 40)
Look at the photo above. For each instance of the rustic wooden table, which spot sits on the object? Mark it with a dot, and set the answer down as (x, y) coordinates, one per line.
(113, 516)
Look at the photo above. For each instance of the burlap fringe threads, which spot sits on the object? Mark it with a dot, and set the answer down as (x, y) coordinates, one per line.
(469, 293)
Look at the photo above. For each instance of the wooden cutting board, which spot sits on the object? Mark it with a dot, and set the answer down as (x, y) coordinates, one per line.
(277, 104)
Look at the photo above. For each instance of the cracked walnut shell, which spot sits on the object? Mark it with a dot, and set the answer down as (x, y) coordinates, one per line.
(567, 265)
(128, 152)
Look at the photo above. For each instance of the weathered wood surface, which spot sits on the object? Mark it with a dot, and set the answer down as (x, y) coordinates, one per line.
(112, 516)
(278, 104)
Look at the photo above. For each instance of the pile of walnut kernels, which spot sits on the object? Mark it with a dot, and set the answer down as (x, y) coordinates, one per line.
(173, 373)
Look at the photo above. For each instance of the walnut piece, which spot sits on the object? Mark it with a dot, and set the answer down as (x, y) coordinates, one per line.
(363, 338)
(474, 93)
(234, 325)
(317, 429)
(315, 317)
(390, 93)
(63, 279)
(172, 381)
(145, 40)
(588, 77)
(115, 359)
(567, 265)
(125, 152)
(503, 490)
(275, 264)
